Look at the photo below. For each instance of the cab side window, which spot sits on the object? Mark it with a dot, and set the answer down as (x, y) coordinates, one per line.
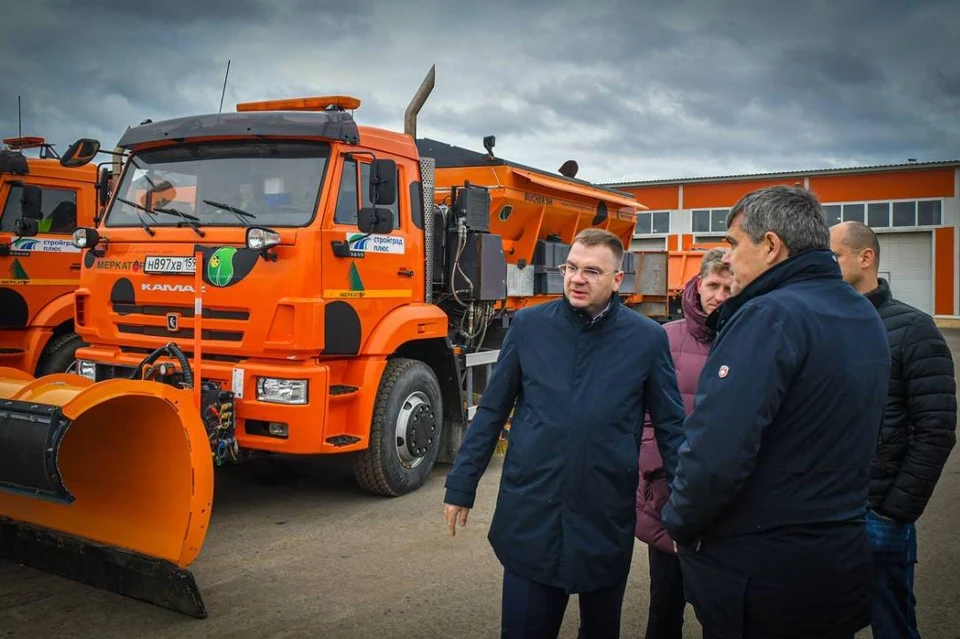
(59, 208)
(354, 194)
(347, 206)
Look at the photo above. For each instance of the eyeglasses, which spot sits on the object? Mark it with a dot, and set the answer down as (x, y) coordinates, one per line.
(589, 273)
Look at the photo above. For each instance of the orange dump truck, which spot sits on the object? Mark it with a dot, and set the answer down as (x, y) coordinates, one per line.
(41, 204)
(276, 279)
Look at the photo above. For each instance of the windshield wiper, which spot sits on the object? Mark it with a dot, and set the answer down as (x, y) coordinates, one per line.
(138, 208)
(240, 213)
(190, 220)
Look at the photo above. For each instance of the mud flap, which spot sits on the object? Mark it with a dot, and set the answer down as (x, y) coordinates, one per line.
(109, 484)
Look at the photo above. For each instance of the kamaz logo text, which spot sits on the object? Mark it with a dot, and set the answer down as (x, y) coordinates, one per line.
(170, 288)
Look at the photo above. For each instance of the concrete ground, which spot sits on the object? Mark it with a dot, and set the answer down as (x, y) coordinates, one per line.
(297, 550)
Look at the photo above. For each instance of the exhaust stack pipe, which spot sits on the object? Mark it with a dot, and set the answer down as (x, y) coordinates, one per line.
(410, 116)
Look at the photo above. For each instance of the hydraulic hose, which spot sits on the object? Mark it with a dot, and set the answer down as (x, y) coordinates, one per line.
(174, 351)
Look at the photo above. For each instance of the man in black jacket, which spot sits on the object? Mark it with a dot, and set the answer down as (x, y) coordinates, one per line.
(769, 499)
(917, 435)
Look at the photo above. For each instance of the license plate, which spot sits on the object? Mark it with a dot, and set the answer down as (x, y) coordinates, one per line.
(169, 265)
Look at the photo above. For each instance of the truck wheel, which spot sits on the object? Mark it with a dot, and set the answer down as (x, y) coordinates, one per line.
(405, 432)
(60, 354)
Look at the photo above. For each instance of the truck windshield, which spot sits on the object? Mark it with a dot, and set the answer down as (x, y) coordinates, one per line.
(269, 182)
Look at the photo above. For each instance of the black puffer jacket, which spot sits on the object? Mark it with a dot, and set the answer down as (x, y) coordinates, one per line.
(919, 427)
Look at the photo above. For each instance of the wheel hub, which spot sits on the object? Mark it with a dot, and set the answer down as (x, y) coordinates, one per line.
(416, 429)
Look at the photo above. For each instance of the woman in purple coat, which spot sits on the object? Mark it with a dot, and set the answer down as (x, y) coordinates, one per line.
(690, 341)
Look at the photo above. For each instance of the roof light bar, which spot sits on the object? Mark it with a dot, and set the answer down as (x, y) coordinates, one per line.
(316, 103)
(24, 142)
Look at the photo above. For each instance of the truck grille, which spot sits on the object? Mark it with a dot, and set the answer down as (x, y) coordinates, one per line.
(183, 333)
(121, 308)
(207, 356)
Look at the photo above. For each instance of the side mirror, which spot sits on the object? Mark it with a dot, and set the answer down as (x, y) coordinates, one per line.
(103, 186)
(80, 152)
(26, 227)
(86, 238)
(30, 203)
(383, 182)
(374, 220)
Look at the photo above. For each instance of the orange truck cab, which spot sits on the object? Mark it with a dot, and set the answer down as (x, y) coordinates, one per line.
(41, 204)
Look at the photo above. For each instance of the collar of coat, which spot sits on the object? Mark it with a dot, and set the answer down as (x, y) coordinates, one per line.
(583, 317)
(808, 265)
(880, 294)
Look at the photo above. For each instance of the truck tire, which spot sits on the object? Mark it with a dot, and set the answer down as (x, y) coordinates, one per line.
(405, 431)
(59, 355)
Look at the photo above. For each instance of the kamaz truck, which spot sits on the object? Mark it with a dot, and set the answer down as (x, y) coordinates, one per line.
(41, 204)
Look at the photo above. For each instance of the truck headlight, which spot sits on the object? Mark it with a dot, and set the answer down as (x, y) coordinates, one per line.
(260, 239)
(282, 391)
(88, 369)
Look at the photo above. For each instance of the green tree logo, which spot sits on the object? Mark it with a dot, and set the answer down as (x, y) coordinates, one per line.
(356, 284)
(17, 271)
(220, 266)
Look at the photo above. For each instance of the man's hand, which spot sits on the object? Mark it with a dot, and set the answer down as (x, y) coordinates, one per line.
(453, 513)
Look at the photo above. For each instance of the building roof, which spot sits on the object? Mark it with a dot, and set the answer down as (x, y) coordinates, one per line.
(791, 174)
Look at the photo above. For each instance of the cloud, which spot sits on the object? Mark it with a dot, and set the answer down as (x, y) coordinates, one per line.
(631, 90)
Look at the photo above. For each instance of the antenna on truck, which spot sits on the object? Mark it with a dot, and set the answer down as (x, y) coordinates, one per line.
(410, 116)
(224, 91)
(19, 119)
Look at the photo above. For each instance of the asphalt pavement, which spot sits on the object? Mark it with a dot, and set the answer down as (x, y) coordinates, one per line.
(296, 549)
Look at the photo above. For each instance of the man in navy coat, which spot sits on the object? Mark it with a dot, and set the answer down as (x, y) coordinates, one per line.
(769, 498)
(579, 373)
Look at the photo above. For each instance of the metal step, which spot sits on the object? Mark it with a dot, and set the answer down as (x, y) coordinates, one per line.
(342, 389)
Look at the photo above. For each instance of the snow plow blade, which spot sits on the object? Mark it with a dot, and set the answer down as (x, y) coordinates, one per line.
(109, 484)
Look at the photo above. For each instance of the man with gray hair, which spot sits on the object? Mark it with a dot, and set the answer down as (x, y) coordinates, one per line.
(769, 496)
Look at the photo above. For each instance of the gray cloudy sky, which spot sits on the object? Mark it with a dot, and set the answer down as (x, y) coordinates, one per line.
(632, 90)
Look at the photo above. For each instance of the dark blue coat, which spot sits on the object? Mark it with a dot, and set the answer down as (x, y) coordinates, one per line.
(771, 484)
(566, 508)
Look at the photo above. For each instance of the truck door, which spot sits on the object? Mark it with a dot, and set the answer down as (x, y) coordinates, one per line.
(41, 268)
(370, 274)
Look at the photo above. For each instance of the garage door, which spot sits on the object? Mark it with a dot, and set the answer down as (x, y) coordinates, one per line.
(649, 244)
(906, 261)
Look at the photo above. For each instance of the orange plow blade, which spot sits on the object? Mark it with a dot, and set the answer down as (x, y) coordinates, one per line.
(108, 483)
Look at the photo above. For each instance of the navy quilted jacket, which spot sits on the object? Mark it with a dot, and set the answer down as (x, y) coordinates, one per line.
(919, 426)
